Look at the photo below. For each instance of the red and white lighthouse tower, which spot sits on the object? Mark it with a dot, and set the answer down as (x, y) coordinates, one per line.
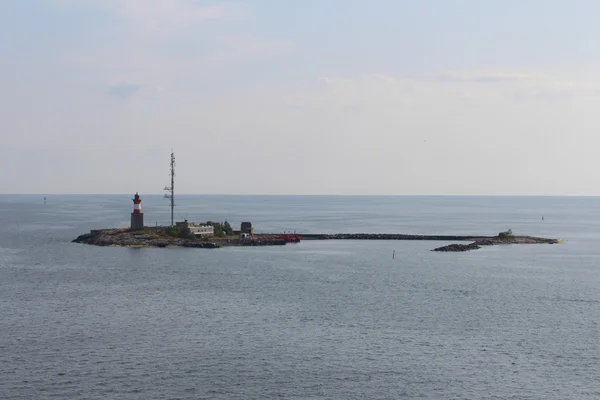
(137, 216)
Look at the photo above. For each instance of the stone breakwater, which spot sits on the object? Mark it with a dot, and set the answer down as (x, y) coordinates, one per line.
(476, 241)
(386, 236)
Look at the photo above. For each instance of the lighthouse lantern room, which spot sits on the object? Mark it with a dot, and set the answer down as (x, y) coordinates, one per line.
(137, 216)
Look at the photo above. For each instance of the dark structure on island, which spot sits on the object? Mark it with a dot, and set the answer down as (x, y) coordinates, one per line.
(246, 227)
(171, 189)
(137, 216)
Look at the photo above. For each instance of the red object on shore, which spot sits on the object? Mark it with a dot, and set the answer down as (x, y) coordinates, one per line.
(290, 238)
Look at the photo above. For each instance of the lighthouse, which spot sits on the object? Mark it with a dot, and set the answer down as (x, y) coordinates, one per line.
(137, 216)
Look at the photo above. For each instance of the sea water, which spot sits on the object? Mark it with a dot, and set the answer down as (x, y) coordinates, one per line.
(317, 320)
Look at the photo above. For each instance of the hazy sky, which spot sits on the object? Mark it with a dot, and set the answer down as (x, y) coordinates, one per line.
(300, 96)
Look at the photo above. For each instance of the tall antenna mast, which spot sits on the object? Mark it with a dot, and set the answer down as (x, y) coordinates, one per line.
(171, 189)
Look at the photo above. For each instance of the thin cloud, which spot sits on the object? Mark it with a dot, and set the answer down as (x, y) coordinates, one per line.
(483, 78)
(158, 17)
(383, 90)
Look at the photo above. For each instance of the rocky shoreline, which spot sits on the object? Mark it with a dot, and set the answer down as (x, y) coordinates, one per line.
(149, 238)
(154, 238)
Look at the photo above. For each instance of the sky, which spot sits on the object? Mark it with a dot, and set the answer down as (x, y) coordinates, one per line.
(365, 97)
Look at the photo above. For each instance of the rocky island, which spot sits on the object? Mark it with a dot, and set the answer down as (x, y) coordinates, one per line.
(167, 237)
(212, 235)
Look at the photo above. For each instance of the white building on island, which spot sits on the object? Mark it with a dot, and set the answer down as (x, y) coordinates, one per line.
(198, 230)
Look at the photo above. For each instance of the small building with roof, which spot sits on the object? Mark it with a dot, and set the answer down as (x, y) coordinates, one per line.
(198, 230)
(246, 227)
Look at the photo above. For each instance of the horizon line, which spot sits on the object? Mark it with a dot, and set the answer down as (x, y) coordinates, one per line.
(304, 194)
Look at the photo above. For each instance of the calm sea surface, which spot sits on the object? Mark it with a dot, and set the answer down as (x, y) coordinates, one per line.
(318, 320)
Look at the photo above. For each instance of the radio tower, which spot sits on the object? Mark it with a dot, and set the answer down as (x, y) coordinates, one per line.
(171, 189)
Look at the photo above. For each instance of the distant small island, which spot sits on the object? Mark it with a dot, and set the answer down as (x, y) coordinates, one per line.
(212, 235)
(223, 236)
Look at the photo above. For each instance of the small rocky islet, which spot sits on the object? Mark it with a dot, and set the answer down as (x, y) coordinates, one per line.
(494, 241)
(150, 237)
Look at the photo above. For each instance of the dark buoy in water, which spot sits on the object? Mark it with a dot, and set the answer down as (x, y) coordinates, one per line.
(44, 200)
(542, 217)
(393, 254)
